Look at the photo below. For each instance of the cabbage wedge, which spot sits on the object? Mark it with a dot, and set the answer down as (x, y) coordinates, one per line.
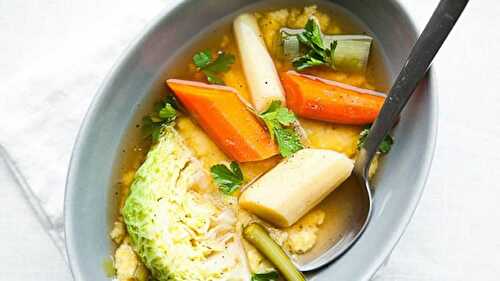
(180, 231)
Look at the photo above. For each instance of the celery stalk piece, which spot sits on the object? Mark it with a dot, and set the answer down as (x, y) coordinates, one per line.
(258, 237)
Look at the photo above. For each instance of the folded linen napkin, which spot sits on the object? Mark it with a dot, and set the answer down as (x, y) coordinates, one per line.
(43, 102)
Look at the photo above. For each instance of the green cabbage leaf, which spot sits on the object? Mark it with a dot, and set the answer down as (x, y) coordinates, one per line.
(177, 230)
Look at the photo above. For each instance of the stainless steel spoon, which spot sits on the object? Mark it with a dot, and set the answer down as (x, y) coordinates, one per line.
(428, 44)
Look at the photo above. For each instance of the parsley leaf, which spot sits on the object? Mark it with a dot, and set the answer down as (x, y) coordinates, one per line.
(275, 105)
(163, 114)
(279, 121)
(167, 113)
(172, 100)
(228, 179)
(306, 61)
(213, 78)
(221, 64)
(316, 52)
(202, 58)
(204, 62)
(288, 141)
(268, 276)
(383, 148)
(312, 36)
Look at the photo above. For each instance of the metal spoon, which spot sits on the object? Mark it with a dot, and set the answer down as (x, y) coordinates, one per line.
(428, 44)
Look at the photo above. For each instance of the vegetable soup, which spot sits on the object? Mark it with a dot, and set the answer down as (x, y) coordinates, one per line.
(242, 165)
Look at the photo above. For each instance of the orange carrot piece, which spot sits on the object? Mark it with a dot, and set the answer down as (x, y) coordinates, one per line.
(327, 100)
(226, 119)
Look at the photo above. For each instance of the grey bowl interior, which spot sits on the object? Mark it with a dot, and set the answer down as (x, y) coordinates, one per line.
(399, 183)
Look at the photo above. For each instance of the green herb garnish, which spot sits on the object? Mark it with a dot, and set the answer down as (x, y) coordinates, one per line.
(172, 100)
(228, 179)
(316, 53)
(279, 121)
(268, 276)
(383, 148)
(204, 62)
(163, 114)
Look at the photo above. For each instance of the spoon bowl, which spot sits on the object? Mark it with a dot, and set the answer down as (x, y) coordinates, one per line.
(418, 62)
(335, 243)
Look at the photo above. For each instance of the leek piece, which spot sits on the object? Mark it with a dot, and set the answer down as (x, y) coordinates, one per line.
(291, 46)
(351, 52)
(260, 239)
(290, 42)
(350, 55)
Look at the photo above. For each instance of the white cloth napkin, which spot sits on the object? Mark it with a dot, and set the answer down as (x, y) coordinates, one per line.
(56, 56)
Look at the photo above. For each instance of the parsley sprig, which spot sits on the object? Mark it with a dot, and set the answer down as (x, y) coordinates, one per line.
(164, 113)
(316, 52)
(228, 179)
(279, 121)
(268, 276)
(383, 148)
(205, 63)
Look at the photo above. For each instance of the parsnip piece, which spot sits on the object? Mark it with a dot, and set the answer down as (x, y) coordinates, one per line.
(295, 186)
(258, 66)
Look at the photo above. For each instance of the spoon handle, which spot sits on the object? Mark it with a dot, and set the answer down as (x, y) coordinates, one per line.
(437, 29)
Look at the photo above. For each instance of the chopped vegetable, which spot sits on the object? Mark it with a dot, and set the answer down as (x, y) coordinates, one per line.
(341, 52)
(260, 72)
(163, 114)
(228, 180)
(258, 236)
(291, 45)
(279, 121)
(302, 181)
(327, 100)
(203, 61)
(351, 55)
(268, 276)
(171, 225)
(226, 119)
(383, 148)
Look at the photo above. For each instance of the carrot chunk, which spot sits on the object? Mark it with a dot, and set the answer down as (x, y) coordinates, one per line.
(226, 119)
(327, 100)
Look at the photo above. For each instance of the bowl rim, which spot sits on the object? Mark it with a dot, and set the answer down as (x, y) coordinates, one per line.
(134, 45)
(407, 215)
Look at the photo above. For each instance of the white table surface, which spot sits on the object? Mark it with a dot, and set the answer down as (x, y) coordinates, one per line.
(455, 232)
